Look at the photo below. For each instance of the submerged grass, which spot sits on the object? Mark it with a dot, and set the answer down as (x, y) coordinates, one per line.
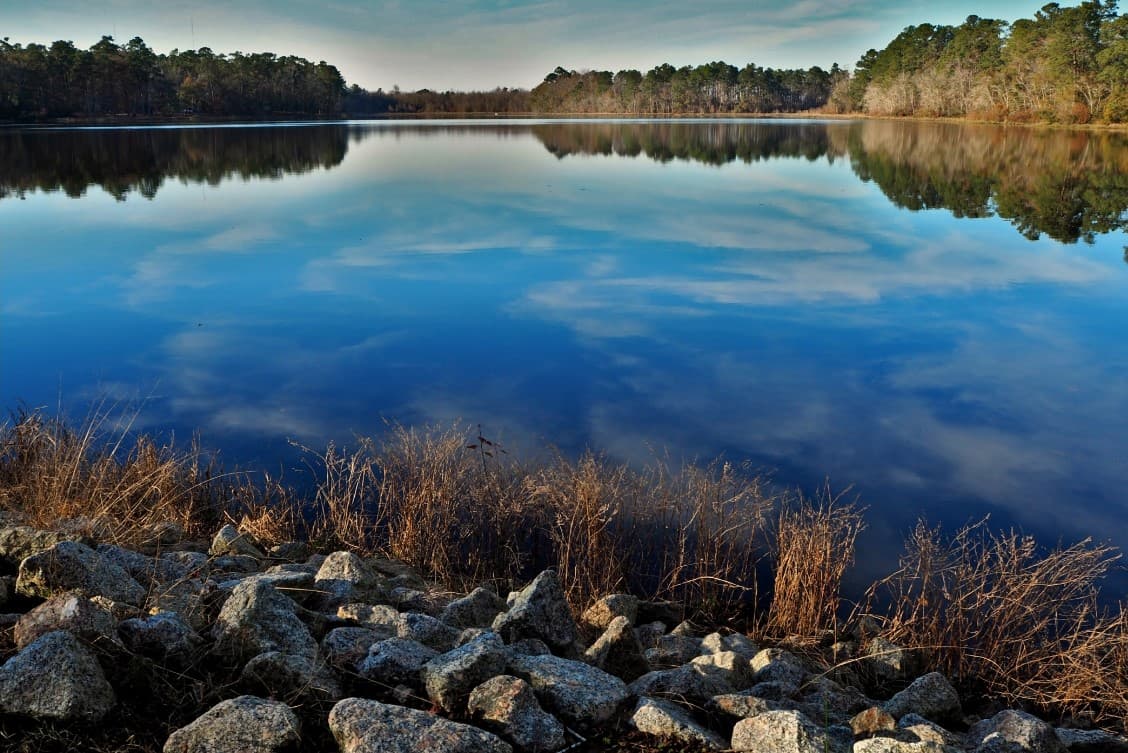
(990, 609)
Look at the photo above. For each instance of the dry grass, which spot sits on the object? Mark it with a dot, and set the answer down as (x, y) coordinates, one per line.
(996, 612)
(814, 547)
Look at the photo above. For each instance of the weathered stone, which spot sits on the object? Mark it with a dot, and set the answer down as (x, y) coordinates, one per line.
(893, 745)
(450, 677)
(671, 722)
(530, 647)
(345, 647)
(297, 679)
(575, 691)
(774, 690)
(888, 663)
(540, 611)
(778, 665)
(930, 696)
(150, 572)
(72, 612)
(667, 612)
(930, 732)
(1091, 741)
(600, 614)
(377, 617)
(343, 577)
(787, 732)
(826, 700)
(411, 600)
(256, 619)
(298, 585)
(734, 667)
(194, 561)
(715, 643)
(241, 725)
(469, 634)
(163, 637)
(428, 630)
(293, 551)
(618, 651)
(871, 721)
(395, 660)
(399, 572)
(742, 705)
(17, 543)
(508, 706)
(479, 608)
(192, 600)
(235, 563)
(689, 629)
(228, 541)
(68, 566)
(1013, 731)
(363, 726)
(153, 537)
(649, 634)
(697, 683)
(57, 678)
(673, 650)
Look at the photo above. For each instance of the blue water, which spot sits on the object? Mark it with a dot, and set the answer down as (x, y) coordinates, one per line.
(854, 301)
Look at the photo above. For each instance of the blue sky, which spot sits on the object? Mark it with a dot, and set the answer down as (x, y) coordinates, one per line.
(465, 44)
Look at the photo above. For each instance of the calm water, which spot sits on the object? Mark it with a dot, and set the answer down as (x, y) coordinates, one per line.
(935, 314)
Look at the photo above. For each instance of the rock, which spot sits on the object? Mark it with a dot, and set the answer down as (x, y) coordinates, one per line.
(411, 600)
(363, 726)
(192, 560)
(68, 566)
(479, 608)
(343, 577)
(575, 691)
(395, 660)
(734, 667)
(428, 630)
(618, 651)
(930, 696)
(7, 588)
(376, 617)
(346, 647)
(887, 663)
(741, 705)
(1013, 731)
(871, 721)
(540, 611)
(696, 683)
(667, 612)
(163, 637)
(450, 677)
(228, 541)
(826, 700)
(600, 614)
(153, 537)
(17, 543)
(150, 572)
(508, 706)
(777, 665)
(715, 643)
(297, 679)
(1091, 741)
(673, 650)
(649, 634)
(774, 690)
(671, 722)
(893, 745)
(256, 619)
(292, 551)
(236, 563)
(55, 678)
(530, 647)
(296, 584)
(399, 572)
(787, 732)
(193, 600)
(92, 623)
(925, 731)
(688, 629)
(241, 725)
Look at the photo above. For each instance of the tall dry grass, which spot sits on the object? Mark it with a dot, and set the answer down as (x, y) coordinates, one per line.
(995, 611)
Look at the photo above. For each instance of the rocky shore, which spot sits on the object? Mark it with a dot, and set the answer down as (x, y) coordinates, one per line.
(225, 646)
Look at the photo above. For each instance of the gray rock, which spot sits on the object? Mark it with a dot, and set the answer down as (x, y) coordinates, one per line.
(575, 691)
(55, 678)
(241, 725)
(787, 732)
(399, 572)
(600, 614)
(930, 696)
(163, 637)
(395, 660)
(671, 722)
(228, 541)
(893, 745)
(742, 705)
(479, 608)
(256, 619)
(688, 629)
(925, 731)
(1091, 741)
(696, 683)
(346, 647)
(668, 612)
(649, 634)
(344, 577)
(363, 726)
(193, 600)
(235, 563)
(68, 566)
(297, 679)
(450, 677)
(153, 537)
(84, 619)
(825, 700)
(778, 665)
(297, 584)
(428, 630)
(293, 551)
(673, 650)
(888, 663)
(540, 611)
(380, 618)
(618, 651)
(1013, 731)
(530, 647)
(411, 600)
(17, 543)
(774, 690)
(731, 665)
(715, 643)
(192, 560)
(150, 572)
(508, 706)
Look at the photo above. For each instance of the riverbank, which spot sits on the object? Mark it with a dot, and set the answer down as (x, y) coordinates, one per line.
(1005, 620)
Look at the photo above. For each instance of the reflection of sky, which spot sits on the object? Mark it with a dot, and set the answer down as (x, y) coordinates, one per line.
(779, 310)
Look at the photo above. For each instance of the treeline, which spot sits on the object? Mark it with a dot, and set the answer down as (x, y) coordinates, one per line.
(1066, 65)
(59, 81)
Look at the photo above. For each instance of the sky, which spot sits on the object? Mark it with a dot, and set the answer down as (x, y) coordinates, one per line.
(481, 44)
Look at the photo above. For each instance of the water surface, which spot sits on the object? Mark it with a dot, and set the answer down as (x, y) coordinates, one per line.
(934, 314)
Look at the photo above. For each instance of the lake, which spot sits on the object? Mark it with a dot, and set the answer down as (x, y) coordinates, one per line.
(933, 314)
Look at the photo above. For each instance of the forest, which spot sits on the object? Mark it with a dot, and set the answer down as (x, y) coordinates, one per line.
(1062, 65)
